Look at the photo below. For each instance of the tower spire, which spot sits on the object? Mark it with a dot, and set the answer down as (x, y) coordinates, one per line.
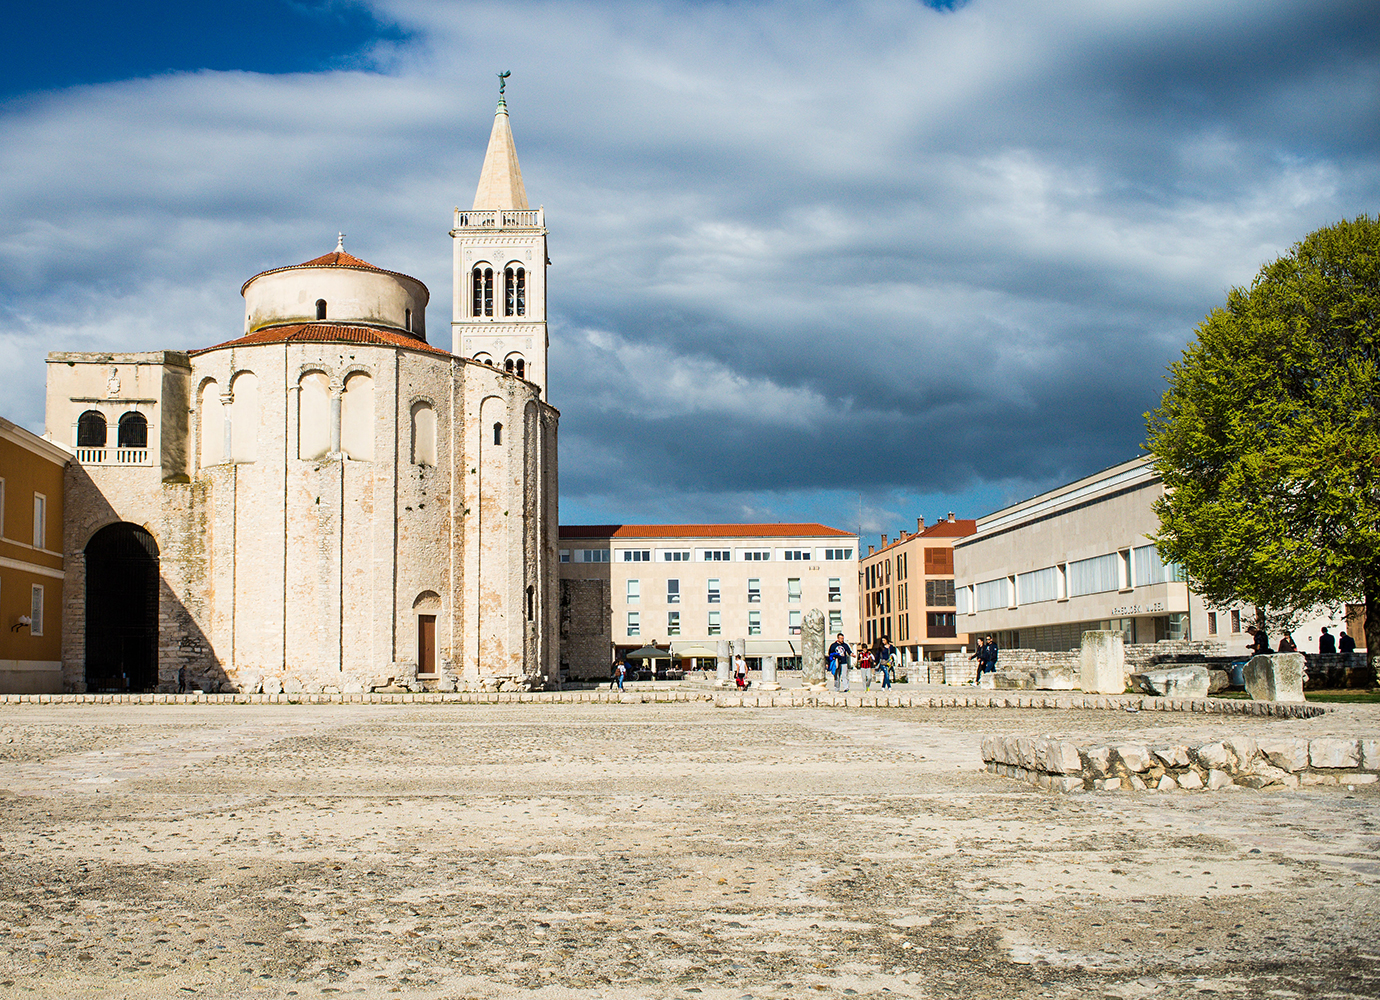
(500, 181)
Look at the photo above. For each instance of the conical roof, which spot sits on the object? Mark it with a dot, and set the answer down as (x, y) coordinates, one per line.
(500, 182)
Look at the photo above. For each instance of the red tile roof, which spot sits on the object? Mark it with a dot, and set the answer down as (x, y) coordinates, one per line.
(701, 531)
(958, 528)
(329, 333)
(339, 258)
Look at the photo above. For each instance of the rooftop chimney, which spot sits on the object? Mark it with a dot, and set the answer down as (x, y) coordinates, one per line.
(871, 549)
(919, 524)
(884, 541)
(951, 517)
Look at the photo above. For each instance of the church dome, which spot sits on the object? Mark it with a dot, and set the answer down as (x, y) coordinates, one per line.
(337, 289)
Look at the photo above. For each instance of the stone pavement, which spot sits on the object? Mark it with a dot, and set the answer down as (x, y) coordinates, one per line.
(660, 850)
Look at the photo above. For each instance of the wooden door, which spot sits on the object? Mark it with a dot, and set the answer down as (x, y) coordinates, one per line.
(426, 644)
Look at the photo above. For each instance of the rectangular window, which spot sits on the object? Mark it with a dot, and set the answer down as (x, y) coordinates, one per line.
(1124, 569)
(675, 556)
(672, 591)
(2, 508)
(754, 591)
(712, 592)
(716, 555)
(1212, 623)
(793, 622)
(835, 590)
(835, 622)
(592, 555)
(963, 600)
(713, 623)
(1150, 569)
(991, 594)
(1039, 585)
(634, 623)
(796, 555)
(939, 562)
(36, 610)
(838, 554)
(940, 625)
(793, 591)
(40, 521)
(673, 623)
(637, 555)
(565, 555)
(757, 555)
(1093, 576)
(1235, 622)
(754, 623)
(634, 591)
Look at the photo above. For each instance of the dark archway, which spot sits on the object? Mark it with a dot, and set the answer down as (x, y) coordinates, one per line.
(121, 609)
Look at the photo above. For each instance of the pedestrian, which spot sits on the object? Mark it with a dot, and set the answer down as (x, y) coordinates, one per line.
(991, 655)
(1261, 645)
(866, 660)
(980, 654)
(886, 660)
(1327, 643)
(620, 672)
(740, 671)
(839, 654)
(1286, 643)
(1346, 644)
(181, 680)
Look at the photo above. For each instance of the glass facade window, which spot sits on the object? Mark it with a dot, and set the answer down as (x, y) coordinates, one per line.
(1093, 576)
(713, 623)
(793, 622)
(835, 622)
(673, 623)
(992, 594)
(637, 555)
(672, 591)
(754, 591)
(838, 554)
(754, 623)
(793, 591)
(1039, 585)
(634, 591)
(712, 592)
(634, 623)
(835, 590)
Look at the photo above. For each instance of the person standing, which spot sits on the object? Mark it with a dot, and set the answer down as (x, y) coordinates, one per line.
(991, 655)
(839, 654)
(980, 654)
(1261, 645)
(886, 661)
(1286, 643)
(1327, 642)
(740, 671)
(866, 660)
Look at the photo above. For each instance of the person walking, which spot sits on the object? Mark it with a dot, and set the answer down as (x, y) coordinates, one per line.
(979, 654)
(886, 661)
(866, 660)
(619, 672)
(740, 671)
(839, 654)
(991, 657)
(1261, 644)
(1327, 642)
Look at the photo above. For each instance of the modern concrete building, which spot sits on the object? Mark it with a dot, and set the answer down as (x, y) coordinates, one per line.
(31, 563)
(327, 501)
(906, 590)
(1039, 573)
(691, 585)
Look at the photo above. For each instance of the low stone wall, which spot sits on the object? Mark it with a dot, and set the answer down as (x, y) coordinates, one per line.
(1282, 762)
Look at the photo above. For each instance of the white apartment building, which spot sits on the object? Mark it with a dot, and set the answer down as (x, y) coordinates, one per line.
(1038, 574)
(691, 585)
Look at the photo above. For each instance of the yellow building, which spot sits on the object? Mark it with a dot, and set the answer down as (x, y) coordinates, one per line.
(31, 566)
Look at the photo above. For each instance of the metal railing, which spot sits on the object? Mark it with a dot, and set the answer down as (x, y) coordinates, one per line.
(500, 219)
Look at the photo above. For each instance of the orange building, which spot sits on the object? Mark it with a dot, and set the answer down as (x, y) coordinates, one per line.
(31, 567)
(906, 590)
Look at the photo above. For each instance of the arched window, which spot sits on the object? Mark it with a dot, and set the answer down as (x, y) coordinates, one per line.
(498, 433)
(212, 425)
(407, 320)
(134, 431)
(423, 434)
(514, 291)
(244, 417)
(521, 368)
(482, 285)
(357, 418)
(320, 308)
(531, 610)
(508, 365)
(313, 416)
(91, 430)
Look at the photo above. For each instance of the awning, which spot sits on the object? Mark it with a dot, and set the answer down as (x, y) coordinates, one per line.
(770, 647)
(648, 653)
(693, 649)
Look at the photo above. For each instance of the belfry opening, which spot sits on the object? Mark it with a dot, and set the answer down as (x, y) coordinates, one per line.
(121, 609)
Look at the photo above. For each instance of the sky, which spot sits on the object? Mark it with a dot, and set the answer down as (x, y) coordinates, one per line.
(854, 262)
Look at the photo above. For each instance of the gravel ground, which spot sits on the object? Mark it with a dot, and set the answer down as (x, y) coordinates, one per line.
(631, 851)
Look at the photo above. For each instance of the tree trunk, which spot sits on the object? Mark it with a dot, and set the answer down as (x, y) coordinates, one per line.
(1372, 595)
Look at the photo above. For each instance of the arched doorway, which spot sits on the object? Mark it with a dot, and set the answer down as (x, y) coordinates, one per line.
(121, 609)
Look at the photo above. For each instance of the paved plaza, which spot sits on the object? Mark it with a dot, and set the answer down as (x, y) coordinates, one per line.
(657, 850)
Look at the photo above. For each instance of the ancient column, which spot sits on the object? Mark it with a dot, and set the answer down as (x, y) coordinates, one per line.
(768, 682)
(812, 646)
(723, 666)
(1102, 663)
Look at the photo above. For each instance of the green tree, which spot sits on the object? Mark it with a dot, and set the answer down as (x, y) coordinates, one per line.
(1269, 438)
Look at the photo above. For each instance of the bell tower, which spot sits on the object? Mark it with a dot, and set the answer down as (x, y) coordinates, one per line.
(499, 311)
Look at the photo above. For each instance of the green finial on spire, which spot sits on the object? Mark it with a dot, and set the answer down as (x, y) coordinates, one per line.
(502, 82)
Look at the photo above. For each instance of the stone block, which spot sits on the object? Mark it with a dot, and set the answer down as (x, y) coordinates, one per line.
(1168, 784)
(1326, 753)
(1173, 682)
(1102, 662)
(1218, 680)
(1263, 775)
(1275, 677)
(272, 685)
(1107, 784)
(1025, 752)
(1370, 754)
(1309, 778)
(1218, 779)
(1133, 756)
(1137, 783)
(1358, 779)
(1171, 756)
(1097, 761)
(1191, 780)
(1285, 754)
(1243, 747)
(1213, 755)
(1055, 679)
(989, 748)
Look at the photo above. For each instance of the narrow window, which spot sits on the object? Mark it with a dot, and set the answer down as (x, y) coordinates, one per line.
(634, 623)
(754, 623)
(508, 366)
(514, 291)
(672, 591)
(320, 308)
(754, 591)
(521, 368)
(423, 434)
(1212, 623)
(498, 433)
(793, 622)
(531, 603)
(91, 430)
(713, 596)
(793, 591)
(673, 623)
(835, 622)
(634, 591)
(407, 320)
(482, 285)
(134, 431)
(835, 590)
(36, 610)
(40, 520)
(1235, 622)
(713, 623)
(521, 292)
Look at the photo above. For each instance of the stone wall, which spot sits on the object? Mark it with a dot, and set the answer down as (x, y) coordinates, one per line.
(1245, 761)
(958, 669)
(585, 625)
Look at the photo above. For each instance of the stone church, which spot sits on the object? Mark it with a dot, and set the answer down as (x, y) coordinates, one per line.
(329, 501)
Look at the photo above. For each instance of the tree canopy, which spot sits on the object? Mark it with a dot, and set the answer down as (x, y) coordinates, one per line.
(1268, 438)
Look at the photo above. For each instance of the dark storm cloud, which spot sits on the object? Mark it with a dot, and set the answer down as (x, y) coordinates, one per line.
(802, 251)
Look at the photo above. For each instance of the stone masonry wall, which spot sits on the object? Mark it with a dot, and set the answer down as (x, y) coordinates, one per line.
(1282, 762)
(586, 641)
